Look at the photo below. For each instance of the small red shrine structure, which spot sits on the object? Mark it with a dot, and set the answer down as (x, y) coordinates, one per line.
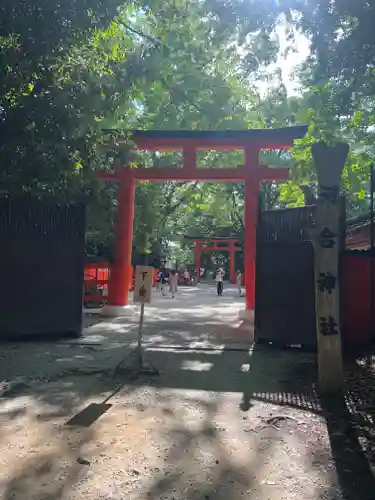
(252, 173)
(216, 244)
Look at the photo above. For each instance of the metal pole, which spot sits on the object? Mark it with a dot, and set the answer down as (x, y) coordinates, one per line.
(140, 334)
(372, 230)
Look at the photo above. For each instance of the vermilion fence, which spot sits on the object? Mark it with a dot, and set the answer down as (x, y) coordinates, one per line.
(96, 279)
(358, 324)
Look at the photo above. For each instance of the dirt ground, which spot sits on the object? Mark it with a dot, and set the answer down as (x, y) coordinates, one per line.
(223, 419)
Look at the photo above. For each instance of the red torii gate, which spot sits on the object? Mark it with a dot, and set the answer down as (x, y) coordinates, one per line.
(216, 244)
(252, 173)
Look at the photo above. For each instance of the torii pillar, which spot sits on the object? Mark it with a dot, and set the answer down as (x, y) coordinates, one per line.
(121, 276)
(252, 184)
(232, 263)
(197, 250)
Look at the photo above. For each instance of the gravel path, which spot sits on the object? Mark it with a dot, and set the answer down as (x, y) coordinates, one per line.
(218, 424)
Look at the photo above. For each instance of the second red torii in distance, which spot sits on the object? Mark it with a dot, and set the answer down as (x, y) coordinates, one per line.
(216, 244)
(190, 142)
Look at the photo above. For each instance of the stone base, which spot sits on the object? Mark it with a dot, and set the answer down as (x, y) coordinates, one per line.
(247, 317)
(118, 311)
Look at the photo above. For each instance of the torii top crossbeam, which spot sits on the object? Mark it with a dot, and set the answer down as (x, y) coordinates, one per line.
(229, 140)
(189, 142)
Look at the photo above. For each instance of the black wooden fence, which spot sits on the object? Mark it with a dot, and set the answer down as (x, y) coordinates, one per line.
(41, 268)
(285, 297)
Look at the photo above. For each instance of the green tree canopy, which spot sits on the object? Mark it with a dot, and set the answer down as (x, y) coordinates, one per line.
(70, 71)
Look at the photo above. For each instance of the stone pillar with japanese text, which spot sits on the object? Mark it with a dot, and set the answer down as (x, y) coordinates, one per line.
(329, 162)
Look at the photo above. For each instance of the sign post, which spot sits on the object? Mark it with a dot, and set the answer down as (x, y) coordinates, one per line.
(143, 284)
(142, 295)
(329, 163)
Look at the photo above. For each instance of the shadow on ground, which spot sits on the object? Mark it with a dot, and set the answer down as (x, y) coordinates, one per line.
(50, 474)
(288, 379)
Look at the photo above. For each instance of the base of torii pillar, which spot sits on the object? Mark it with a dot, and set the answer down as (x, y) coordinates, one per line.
(110, 311)
(247, 318)
(247, 315)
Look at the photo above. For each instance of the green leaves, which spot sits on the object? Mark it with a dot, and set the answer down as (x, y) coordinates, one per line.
(71, 70)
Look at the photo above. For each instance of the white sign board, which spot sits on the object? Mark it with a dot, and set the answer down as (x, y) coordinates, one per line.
(143, 284)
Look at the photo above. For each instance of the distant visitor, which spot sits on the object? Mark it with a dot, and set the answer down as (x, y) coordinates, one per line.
(162, 280)
(173, 281)
(239, 283)
(219, 281)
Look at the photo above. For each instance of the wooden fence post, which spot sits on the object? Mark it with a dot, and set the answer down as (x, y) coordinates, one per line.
(329, 163)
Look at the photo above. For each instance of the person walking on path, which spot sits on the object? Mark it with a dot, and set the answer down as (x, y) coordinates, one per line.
(163, 281)
(187, 278)
(219, 281)
(158, 281)
(239, 283)
(173, 282)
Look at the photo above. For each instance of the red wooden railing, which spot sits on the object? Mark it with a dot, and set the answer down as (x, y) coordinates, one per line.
(96, 278)
(358, 327)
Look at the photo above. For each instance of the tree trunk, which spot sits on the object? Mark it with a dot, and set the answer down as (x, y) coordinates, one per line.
(329, 163)
(308, 194)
